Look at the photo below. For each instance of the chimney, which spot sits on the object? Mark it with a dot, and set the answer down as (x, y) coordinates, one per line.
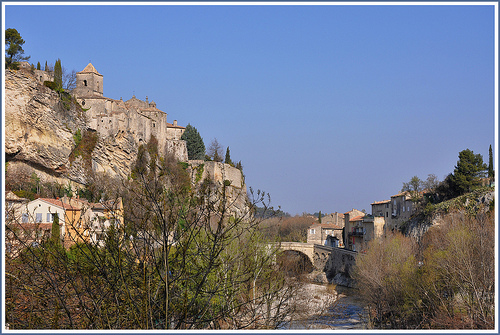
(175, 123)
(147, 100)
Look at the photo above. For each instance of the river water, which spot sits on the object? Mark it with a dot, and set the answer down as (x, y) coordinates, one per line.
(346, 313)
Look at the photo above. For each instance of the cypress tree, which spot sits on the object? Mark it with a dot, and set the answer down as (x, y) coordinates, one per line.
(55, 236)
(58, 74)
(38, 67)
(194, 143)
(46, 67)
(491, 172)
(228, 158)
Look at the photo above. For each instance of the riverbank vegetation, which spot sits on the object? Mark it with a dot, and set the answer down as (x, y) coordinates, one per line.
(445, 278)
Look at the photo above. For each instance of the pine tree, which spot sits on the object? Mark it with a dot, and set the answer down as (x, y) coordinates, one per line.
(194, 143)
(470, 168)
(14, 52)
(58, 74)
(491, 172)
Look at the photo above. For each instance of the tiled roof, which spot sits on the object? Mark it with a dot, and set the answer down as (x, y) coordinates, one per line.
(381, 202)
(400, 194)
(357, 218)
(90, 69)
(169, 125)
(60, 204)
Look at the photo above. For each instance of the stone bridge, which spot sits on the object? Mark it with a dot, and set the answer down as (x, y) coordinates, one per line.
(333, 261)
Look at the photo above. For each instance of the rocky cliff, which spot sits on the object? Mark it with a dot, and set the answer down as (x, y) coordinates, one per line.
(478, 201)
(40, 129)
(39, 126)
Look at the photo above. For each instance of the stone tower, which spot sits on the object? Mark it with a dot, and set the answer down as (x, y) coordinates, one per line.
(89, 82)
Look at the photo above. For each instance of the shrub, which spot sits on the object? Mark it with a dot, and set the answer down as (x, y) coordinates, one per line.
(50, 84)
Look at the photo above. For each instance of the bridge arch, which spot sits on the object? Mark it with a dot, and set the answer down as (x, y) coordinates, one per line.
(295, 262)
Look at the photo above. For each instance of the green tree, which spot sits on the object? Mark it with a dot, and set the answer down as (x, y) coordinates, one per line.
(58, 74)
(468, 171)
(14, 52)
(38, 67)
(491, 171)
(227, 159)
(55, 235)
(47, 69)
(194, 143)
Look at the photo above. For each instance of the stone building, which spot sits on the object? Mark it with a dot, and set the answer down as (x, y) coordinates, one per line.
(395, 212)
(40, 75)
(333, 218)
(348, 216)
(362, 229)
(325, 234)
(143, 119)
(381, 209)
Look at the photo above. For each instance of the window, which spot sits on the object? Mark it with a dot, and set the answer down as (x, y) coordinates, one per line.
(403, 209)
(85, 82)
(38, 217)
(313, 231)
(408, 208)
(49, 217)
(25, 218)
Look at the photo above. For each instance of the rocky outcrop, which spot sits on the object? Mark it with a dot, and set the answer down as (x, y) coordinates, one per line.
(471, 203)
(114, 155)
(39, 127)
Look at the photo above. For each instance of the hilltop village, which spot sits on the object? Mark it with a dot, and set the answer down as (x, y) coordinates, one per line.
(40, 142)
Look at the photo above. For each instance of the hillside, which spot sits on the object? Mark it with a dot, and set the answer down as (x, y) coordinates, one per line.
(478, 201)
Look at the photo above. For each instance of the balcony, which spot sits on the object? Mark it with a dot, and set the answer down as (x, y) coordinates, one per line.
(356, 233)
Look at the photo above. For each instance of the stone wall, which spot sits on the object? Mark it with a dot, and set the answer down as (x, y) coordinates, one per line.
(339, 267)
(218, 173)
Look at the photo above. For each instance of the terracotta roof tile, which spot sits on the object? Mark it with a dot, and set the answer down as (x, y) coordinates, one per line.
(59, 203)
(169, 125)
(381, 202)
(357, 218)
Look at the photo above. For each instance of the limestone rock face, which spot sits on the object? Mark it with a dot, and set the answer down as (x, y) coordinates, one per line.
(39, 130)
(114, 155)
(38, 127)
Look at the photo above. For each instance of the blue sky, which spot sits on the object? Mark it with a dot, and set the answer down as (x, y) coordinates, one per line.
(328, 107)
